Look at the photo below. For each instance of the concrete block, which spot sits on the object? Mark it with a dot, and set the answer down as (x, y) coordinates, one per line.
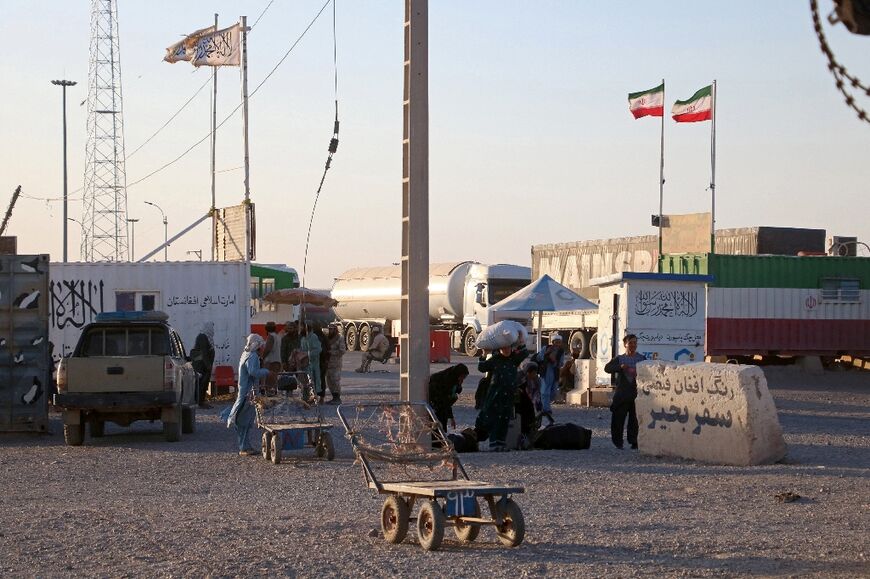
(716, 413)
(584, 374)
(598, 397)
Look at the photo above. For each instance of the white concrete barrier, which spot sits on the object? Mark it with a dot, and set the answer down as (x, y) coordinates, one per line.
(584, 382)
(717, 413)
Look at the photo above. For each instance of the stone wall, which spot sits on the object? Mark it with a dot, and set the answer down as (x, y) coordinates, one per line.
(717, 413)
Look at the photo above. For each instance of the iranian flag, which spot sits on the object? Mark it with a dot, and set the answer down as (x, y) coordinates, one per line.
(648, 103)
(697, 108)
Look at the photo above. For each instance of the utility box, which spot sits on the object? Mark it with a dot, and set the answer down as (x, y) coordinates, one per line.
(25, 358)
(667, 313)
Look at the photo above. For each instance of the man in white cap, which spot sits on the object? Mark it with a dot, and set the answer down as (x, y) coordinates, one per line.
(549, 361)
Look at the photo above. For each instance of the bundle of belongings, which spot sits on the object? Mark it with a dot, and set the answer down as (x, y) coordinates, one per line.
(567, 436)
(501, 335)
(465, 441)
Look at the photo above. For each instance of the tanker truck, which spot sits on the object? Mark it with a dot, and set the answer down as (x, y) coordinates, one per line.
(460, 294)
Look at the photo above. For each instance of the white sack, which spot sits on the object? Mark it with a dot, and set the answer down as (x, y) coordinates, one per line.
(502, 334)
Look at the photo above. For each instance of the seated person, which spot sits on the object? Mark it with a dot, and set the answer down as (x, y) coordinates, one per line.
(378, 350)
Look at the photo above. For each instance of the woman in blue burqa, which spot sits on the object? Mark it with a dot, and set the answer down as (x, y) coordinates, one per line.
(242, 413)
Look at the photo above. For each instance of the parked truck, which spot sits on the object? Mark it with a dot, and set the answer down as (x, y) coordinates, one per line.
(460, 294)
(574, 264)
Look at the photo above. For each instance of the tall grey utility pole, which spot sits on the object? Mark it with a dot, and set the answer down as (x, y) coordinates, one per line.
(414, 333)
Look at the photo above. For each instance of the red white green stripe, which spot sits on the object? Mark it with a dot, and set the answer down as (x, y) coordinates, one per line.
(697, 108)
(648, 103)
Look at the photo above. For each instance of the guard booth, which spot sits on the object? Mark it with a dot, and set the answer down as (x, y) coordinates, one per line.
(667, 313)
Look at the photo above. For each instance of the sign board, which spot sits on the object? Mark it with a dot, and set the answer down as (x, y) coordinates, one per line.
(689, 233)
(229, 226)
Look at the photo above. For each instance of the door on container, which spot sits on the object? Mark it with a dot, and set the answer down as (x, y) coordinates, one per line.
(615, 333)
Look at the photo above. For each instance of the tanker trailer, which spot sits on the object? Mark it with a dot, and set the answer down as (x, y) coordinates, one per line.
(460, 294)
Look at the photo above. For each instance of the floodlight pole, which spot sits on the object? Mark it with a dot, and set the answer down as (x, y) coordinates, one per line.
(63, 84)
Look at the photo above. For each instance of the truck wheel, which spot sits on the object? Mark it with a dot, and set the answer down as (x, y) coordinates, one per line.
(74, 434)
(351, 338)
(365, 337)
(188, 420)
(593, 345)
(469, 342)
(172, 429)
(98, 429)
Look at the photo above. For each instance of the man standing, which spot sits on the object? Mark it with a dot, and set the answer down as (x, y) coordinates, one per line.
(497, 409)
(625, 368)
(377, 350)
(272, 353)
(310, 343)
(549, 361)
(202, 356)
(336, 349)
(289, 343)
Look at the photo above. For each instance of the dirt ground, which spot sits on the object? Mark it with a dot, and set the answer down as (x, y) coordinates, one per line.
(130, 504)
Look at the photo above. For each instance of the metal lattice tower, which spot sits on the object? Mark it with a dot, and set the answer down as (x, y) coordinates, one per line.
(104, 216)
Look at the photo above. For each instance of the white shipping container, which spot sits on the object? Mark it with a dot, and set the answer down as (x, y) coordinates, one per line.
(191, 293)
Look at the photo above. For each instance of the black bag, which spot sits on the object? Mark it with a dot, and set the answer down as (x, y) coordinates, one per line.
(465, 441)
(567, 436)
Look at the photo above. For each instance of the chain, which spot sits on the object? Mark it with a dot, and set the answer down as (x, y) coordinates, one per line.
(838, 70)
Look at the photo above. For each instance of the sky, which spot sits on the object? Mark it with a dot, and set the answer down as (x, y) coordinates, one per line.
(531, 140)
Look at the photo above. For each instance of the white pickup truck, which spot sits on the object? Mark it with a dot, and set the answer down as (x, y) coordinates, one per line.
(127, 366)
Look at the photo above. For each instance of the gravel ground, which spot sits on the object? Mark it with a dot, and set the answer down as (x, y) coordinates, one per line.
(131, 504)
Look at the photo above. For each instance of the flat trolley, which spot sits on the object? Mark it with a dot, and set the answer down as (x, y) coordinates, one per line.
(291, 419)
(406, 456)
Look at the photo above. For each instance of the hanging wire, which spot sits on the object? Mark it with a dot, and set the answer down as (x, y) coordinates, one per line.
(333, 147)
(262, 13)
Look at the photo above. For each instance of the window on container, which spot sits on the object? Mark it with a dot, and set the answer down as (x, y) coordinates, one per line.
(149, 302)
(125, 301)
(267, 285)
(841, 290)
(255, 288)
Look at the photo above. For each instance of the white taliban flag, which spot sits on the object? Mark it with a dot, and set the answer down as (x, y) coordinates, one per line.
(220, 48)
(183, 49)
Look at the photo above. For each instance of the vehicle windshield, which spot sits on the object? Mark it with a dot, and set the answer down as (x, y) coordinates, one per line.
(140, 341)
(499, 289)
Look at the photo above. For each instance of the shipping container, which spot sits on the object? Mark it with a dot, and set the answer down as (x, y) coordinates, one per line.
(783, 305)
(25, 361)
(191, 293)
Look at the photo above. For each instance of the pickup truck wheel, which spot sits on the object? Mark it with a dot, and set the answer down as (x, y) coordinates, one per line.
(98, 429)
(73, 434)
(469, 342)
(172, 430)
(188, 420)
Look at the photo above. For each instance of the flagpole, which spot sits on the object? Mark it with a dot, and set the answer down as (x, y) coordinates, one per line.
(713, 174)
(662, 176)
(244, 32)
(213, 149)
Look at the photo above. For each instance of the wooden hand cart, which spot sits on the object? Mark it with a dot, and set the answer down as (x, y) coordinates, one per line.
(290, 422)
(408, 436)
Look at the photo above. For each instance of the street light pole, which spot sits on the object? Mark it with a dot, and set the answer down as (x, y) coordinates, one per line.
(132, 223)
(63, 84)
(81, 226)
(165, 231)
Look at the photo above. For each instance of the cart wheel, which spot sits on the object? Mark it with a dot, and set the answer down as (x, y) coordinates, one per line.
(468, 532)
(395, 515)
(430, 526)
(325, 446)
(275, 445)
(266, 445)
(513, 527)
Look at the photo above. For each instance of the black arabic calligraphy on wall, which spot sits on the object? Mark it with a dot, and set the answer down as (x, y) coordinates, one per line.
(666, 304)
(74, 302)
(690, 384)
